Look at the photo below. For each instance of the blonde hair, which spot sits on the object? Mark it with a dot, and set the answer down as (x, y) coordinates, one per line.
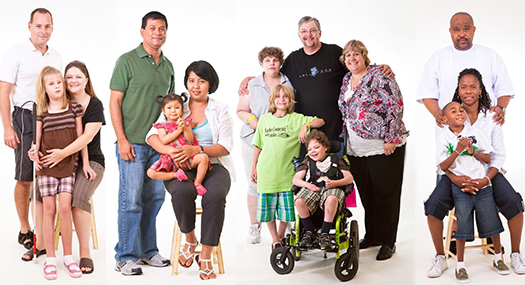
(42, 99)
(358, 46)
(287, 92)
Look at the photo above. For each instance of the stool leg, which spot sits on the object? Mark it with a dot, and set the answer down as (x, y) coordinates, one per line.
(219, 257)
(94, 235)
(175, 248)
(448, 238)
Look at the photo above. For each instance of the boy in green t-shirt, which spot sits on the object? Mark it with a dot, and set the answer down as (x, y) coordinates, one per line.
(276, 144)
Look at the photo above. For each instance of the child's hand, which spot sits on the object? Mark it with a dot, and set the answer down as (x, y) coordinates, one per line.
(470, 149)
(181, 124)
(89, 173)
(312, 187)
(302, 133)
(34, 156)
(463, 144)
(331, 184)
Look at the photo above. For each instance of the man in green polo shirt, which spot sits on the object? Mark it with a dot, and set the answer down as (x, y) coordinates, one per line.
(139, 76)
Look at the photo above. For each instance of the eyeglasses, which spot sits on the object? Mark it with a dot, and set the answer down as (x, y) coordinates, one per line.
(312, 31)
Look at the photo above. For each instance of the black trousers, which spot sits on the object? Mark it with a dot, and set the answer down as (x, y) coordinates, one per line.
(379, 179)
(183, 194)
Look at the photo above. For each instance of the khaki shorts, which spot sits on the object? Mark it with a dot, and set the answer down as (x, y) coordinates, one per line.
(315, 199)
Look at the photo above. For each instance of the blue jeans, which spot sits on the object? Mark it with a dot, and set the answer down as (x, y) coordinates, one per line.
(487, 217)
(139, 202)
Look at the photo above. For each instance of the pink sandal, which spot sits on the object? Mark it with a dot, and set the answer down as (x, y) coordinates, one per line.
(200, 189)
(181, 176)
(50, 271)
(73, 269)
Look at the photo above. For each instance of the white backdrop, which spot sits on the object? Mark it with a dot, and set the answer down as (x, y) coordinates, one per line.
(229, 34)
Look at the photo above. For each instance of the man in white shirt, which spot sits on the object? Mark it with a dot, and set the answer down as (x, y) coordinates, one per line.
(440, 75)
(19, 72)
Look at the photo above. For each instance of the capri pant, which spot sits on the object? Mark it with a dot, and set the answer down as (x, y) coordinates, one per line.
(183, 195)
(247, 157)
(509, 202)
(84, 189)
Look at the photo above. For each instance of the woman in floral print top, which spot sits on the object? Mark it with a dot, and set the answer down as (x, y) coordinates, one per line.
(372, 108)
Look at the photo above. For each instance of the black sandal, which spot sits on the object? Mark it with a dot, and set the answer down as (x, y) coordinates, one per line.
(30, 253)
(26, 239)
(86, 262)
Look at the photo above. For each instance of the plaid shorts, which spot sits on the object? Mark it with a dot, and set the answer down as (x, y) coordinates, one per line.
(317, 199)
(271, 204)
(51, 186)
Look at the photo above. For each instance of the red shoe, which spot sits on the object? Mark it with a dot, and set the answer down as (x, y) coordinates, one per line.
(73, 269)
(50, 271)
(181, 176)
(200, 189)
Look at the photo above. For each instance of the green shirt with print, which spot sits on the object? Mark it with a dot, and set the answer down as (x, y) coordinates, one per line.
(141, 80)
(279, 143)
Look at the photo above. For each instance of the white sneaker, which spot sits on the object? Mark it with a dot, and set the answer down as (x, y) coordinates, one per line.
(439, 264)
(254, 234)
(517, 263)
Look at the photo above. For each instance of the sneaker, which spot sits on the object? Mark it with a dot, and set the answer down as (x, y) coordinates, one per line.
(439, 264)
(156, 261)
(501, 267)
(254, 234)
(324, 241)
(276, 245)
(128, 267)
(517, 263)
(308, 239)
(462, 276)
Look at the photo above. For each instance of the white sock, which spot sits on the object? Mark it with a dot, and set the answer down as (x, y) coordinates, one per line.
(497, 257)
(460, 265)
(68, 259)
(51, 260)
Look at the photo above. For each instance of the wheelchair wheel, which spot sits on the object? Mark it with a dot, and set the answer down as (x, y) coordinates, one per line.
(354, 237)
(282, 261)
(346, 266)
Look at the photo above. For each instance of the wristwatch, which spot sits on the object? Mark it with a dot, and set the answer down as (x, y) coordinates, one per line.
(502, 109)
(202, 149)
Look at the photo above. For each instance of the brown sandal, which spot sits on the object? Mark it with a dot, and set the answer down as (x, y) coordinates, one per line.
(31, 253)
(86, 262)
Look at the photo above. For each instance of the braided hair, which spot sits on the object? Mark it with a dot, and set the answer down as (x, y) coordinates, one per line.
(484, 99)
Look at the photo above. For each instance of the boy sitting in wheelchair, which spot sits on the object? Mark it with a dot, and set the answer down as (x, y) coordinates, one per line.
(326, 178)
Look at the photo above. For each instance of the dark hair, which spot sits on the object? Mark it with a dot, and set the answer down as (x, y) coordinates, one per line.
(464, 14)
(205, 71)
(41, 11)
(82, 67)
(484, 99)
(163, 100)
(271, 51)
(320, 137)
(154, 15)
(447, 106)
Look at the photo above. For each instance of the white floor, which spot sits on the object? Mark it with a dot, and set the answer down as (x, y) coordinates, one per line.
(247, 264)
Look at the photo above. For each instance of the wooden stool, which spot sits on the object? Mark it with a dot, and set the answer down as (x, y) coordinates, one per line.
(94, 235)
(486, 247)
(176, 247)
